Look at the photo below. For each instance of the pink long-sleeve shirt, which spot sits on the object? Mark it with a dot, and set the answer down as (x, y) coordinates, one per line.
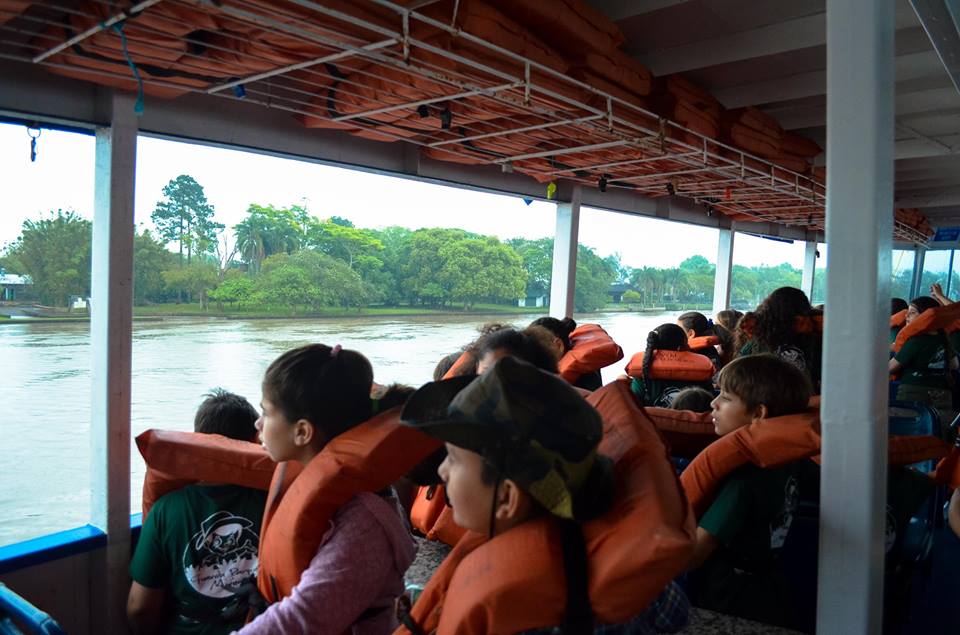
(351, 584)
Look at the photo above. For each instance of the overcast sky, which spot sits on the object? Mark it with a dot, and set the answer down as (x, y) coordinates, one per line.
(62, 177)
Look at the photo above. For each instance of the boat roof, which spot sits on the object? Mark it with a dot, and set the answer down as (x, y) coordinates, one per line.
(262, 75)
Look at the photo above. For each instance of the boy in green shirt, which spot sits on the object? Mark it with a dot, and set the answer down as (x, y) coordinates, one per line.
(198, 545)
(740, 536)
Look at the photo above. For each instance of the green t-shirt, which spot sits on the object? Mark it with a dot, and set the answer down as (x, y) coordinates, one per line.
(923, 360)
(805, 356)
(750, 518)
(662, 391)
(200, 544)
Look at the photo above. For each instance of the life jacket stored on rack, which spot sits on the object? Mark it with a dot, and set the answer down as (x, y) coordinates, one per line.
(301, 502)
(591, 349)
(515, 581)
(177, 459)
(945, 318)
(673, 366)
(776, 442)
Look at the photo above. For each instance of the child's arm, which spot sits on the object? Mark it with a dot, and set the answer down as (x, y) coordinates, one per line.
(954, 516)
(702, 549)
(342, 581)
(145, 609)
(722, 521)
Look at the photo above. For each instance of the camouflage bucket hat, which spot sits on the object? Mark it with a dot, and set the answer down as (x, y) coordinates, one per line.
(531, 426)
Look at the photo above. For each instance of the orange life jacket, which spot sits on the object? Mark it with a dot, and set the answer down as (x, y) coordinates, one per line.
(686, 433)
(801, 323)
(948, 469)
(673, 365)
(301, 503)
(898, 319)
(776, 442)
(702, 341)
(515, 581)
(945, 318)
(432, 517)
(591, 349)
(177, 459)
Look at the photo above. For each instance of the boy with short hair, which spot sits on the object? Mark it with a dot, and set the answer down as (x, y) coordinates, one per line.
(198, 545)
(522, 443)
(740, 536)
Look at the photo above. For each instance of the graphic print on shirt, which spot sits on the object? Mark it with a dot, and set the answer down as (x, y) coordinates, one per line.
(221, 556)
(780, 526)
(665, 400)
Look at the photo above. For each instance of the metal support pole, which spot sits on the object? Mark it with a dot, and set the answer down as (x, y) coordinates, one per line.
(564, 280)
(919, 258)
(854, 400)
(809, 268)
(946, 291)
(722, 278)
(110, 336)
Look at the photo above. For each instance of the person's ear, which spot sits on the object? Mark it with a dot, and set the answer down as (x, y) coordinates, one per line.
(304, 433)
(760, 412)
(509, 500)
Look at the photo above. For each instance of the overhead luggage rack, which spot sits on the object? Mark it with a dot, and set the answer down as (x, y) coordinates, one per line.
(381, 70)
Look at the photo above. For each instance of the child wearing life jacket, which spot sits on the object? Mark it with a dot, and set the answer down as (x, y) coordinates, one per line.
(522, 445)
(561, 330)
(311, 395)
(734, 567)
(657, 391)
(703, 335)
(783, 325)
(693, 399)
(898, 309)
(198, 545)
(925, 362)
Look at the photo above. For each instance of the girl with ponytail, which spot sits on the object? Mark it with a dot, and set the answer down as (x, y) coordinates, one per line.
(660, 392)
(561, 330)
(702, 335)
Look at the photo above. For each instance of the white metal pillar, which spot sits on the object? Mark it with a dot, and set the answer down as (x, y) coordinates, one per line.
(111, 337)
(859, 232)
(809, 268)
(564, 279)
(723, 276)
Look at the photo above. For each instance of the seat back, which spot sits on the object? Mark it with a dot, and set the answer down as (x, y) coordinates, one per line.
(16, 614)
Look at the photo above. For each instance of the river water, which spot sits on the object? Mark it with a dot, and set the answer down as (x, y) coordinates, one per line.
(45, 382)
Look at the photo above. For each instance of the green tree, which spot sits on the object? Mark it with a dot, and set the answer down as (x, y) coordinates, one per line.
(480, 268)
(185, 217)
(594, 277)
(359, 248)
(537, 258)
(396, 251)
(420, 272)
(309, 280)
(268, 230)
(235, 288)
(632, 297)
(150, 260)
(195, 280)
(55, 252)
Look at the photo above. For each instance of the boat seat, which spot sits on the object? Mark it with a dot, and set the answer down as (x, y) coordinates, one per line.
(18, 617)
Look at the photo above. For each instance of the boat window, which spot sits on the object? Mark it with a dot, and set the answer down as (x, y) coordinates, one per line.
(936, 269)
(901, 273)
(762, 265)
(820, 276)
(45, 236)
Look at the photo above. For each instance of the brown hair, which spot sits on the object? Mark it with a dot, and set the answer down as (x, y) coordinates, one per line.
(327, 387)
(694, 399)
(223, 412)
(769, 381)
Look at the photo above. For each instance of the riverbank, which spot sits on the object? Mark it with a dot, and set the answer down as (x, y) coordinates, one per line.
(163, 311)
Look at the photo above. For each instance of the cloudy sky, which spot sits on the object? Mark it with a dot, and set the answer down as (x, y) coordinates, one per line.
(62, 177)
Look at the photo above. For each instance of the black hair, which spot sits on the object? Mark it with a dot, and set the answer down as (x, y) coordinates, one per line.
(775, 320)
(329, 389)
(445, 364)
(897, 305)
(524, 346)
(223, 412)
(697, 322)
(560, 328)
(924, 302)
(666, 337)
(694, 399)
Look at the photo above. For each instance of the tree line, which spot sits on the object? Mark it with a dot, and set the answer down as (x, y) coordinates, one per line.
(287, 259)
